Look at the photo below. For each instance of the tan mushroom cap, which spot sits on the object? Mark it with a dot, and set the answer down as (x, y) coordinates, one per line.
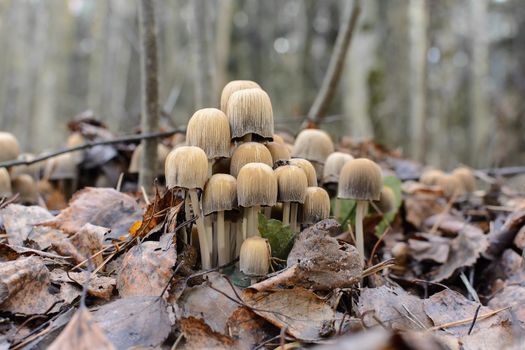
(314, 145)
(360, 179)
(256, 185)
(5, 183)
(32, 169)
(9, 148)
(308, 169)
(209, 129)
(220, 194)
(61, 167)
(333, 165)
(466, 176)
(186, 167)
(278, 151)
(26, 187)
(254, 257)
(249, 152)
(250, 112)
(430, 176)
(316, 205)
(450, 184)
(291, 184)
(387, 200)
(162, 153)
(234, 86)
(278, 138)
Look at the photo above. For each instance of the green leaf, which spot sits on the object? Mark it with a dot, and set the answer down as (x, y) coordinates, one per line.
(347, 211)
(395, 184)
(279, 236)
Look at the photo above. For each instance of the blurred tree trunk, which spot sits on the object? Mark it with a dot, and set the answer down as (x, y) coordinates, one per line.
(480, 122)
(149, 92)
(223, 41)
(417, 18)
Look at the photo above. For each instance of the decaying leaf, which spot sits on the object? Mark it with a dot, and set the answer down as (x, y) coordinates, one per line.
(24, 286)
(98, 286)
(81, 333)
(10, 252)
(513, 296)
(134, 321)
(501, 239)
(199, 335)
(19, 221)
(248, 327)
(433, 247)
(422, 205)
(146, 269)
(304, 315)
(83, 244)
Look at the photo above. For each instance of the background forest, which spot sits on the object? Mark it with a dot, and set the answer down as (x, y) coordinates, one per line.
(441, 79)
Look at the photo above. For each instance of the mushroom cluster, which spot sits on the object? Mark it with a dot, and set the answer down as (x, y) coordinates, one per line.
(461, 181)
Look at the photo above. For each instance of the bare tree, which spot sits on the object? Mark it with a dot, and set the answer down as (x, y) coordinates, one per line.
(223, 37)
(149, 92)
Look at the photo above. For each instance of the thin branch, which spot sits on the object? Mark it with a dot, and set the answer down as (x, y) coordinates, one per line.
(336, 65)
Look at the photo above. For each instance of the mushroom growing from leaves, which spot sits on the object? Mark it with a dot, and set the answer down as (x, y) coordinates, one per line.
(250, 113)
(386, 201)
(361, 180)
(234, 86)
(249, 152)
(187, 167)
(451, 185)
(430, 176)
(308, 169)
(254, 259)
(316, 205)
(209, 129)
(26, 187)
(220, 195)
(313, 145)
(332, 168)
(256, 187)
(5, 183)
(291, 184)
(466, 177)
(9, 148)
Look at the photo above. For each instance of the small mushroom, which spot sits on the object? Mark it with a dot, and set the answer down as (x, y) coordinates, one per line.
(466, 177)
(187, 167)
(234, 86)
(9, 148)
(249, 152)
(33, 170)
(451, 185)
(256, 187)
(254, 258)
(5, 183)
(386, 201)
(430, 176)
(220, 195)
(361, 180)
(61, 171)
(316, 205)
(332, 168)
(313, 145)
(291, 184)
(278, 151)
(26, 187)
(278, 138)
(308, 169)
(250, 113)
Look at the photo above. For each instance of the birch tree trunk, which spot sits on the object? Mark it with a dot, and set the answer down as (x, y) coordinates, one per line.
(149, 92)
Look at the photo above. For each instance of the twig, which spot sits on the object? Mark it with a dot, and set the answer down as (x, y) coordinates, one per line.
(469, 287)
(474, 320)
(376, 246)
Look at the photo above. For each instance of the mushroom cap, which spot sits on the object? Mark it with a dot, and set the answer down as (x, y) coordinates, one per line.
(26, 186)
(316, 205)
(250, 112)
(256, 185)
(220, 194)
(333, 165)
(430, 176)
(360, 179)
(9, 148)
(386, 201)
(254, 257)
(249, 152)
(278, 151)
(234, 86)
(450, 184)
(61, 167)
(5, 183)
(186, 167)
(314, 145)
(308, 169)
(32, 169)
(291, 184)
(278, 138)
(209, 129)
(466, 177)
(162, 153)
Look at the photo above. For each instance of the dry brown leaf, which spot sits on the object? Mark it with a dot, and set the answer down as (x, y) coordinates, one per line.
(248, 327)
(81, 333)
(19, 221)
(305, 316)
(514, 296)
(9, 252)
(495, 337)
(24, 286)
(199, 335)
(393, 307)
(83, 244)
(433, 247)
(501, 239)
(420, 206)
(134, 321)
(146, 269)
(98, 286)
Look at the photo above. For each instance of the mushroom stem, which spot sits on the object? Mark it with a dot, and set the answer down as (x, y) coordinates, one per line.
(286, 213)
(359, 215)
(293, 216)
(222, 240)
(337, 209)
(247, 138)
(245, 223)
(253, 227)
(239, 236)
(268, 212)
(203, 236)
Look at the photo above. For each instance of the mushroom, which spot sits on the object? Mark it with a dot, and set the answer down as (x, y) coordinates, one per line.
(249, 152)
(291, 184)
(209, 129)
(316, 205)
(278, 138)
(386, 202)
(254, 258)
(26, 187)
(62, 172)
(332, 168)
(361, 180)
(250, 113)
(5, 183)
(220, 194)
(234, 86)
(313, 145)
(33, 170)
(9, 148)
(256, 187)
(308, 169)
(451, 185)
(430, 176)
(187, 167)
(466, 177)
(278, 151)
(162, 153)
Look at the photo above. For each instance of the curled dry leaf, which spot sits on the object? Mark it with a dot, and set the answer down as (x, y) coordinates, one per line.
(146, 269)
(9, 252)
(134, 321)
(304, 315)
(83, 244)
(199, 335)
(24, 286)
(81, 333)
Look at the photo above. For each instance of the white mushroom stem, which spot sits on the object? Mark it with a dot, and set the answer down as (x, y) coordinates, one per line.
(247, 138)
(239, 236)
(360, 211)
(253, 226)
(245, 223)
(286, 213)
(204, 240)
(293, 216)
(337, 209)
(223, 241)
(268, 212)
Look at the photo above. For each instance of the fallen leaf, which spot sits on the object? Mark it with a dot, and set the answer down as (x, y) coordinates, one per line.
(146, 269)
(98, 286)
(433, 247)
(83, 244)
(134, 321)
(19, 222)
(81, 333)
(305, 316)
(420, 206)
(495, 337)
(501, 239)
(248, 327)
(279, 236)
(9, 252)
(199, 335)
(513, 296)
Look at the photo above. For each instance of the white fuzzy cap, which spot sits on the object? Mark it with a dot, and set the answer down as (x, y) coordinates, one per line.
(250, 112)
(220, 194)
(234, 86)
(360, 179)
(186, 167)
(249, 152)
(279, 151)
(314, 145)
(333, 165)
(256, 185)
(308, 169)
(5, 183)
(209, 129)
(9, 148)
(254, 257)
(316, 205)
(291, 183)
